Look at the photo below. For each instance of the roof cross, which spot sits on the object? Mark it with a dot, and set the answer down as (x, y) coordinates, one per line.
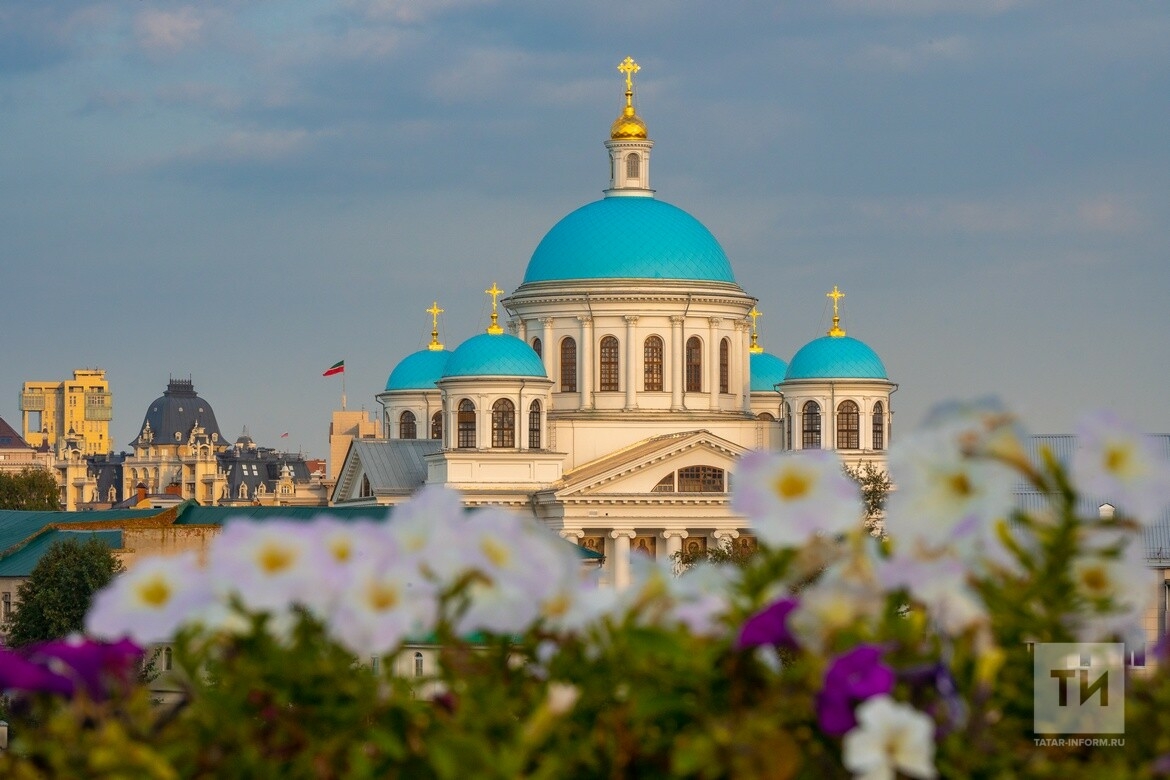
(755, 347)
(836, 295)
(494, 328)
(629, 67)
(435, 311)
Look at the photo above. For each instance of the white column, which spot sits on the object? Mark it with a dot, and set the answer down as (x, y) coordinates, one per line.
(483, 423)
(743, 357)
(722, 536)
(677, 373)
(522, 330)
(621, 557)
(546, 348)
(674, 541)
(585, 374)
(631, 361)
(713, 361)
(572, 535)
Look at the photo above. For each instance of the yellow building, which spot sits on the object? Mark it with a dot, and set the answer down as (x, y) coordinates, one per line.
(80, 408)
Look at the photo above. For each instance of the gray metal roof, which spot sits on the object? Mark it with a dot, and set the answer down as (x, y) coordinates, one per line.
(395, 465)
(177, 411)
(1063, 446)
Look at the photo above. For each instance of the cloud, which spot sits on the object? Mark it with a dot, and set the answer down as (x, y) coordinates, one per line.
(251, 146)
(926, 7)
(410, 12)
(168, 32)
(916, 56)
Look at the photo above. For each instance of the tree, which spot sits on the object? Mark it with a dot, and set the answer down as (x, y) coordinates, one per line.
(875, 486)
(56, 596)
(31, 490)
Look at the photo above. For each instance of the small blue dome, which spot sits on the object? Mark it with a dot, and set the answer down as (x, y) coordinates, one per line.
(836, 357)
(767, 371)
(629, 238)
(494, 355)
(419, 371)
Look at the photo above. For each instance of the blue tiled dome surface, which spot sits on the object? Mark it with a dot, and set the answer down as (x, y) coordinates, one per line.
(767, 371)
(629, 238)
(419, 371)
(836, 358)
(494, 355)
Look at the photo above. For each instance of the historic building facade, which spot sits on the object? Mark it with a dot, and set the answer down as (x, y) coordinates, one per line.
(627, 383)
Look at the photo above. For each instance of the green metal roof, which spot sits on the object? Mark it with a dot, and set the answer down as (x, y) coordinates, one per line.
(21, 562)
(218, 515)
(16, 526)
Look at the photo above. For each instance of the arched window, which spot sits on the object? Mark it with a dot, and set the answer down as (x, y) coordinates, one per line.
(243, 490)
(418, 664)
(466, 421)
(537, 347)
(407, 428)
(652, 364)
(879, 426)
(608, 377)
(633, 166)
(665, 485)
(766, 417)
(568, 365)
(848, 426)
(437, 425)
(534, 425)
(812, 427)
(694, 383)
(700, 479)
(787, 425)
(724, 366)
(365, 491)
(503, 423)
(168, 659)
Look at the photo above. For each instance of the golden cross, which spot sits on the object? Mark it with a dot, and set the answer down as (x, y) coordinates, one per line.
(836, 295)
(435, 311)
(494, 328)
(755, 347)
(629, 67)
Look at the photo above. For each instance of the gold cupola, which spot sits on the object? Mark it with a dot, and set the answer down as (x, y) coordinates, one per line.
(628, 144)
(629, 126)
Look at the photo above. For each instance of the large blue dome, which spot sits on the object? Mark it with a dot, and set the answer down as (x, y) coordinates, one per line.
(629, 238)
(419, 370)
(494, 355)
(836, 357)
(767, 371)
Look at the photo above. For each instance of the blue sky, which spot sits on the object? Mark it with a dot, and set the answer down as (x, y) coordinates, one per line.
(246, 192)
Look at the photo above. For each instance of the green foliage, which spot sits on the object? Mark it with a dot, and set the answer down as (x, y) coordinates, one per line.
(30, 490)
(625, 697)
(56, 596)
(875, 487)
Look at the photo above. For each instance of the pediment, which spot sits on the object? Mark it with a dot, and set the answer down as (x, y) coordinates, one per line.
(638, 468)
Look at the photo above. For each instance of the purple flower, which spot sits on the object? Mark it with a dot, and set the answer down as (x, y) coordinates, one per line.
(62, 667)
(95, 666)
(17, 673)
(851, 679)
(769, 626)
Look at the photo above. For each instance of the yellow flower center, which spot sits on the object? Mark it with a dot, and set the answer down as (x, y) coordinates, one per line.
(154, 592)
(341, 549)
(792, 484)
(557, 605)
(274, 558)
(381, 596)
(497, 553)
(1116, 459)
(1095, 579)
(960, 484)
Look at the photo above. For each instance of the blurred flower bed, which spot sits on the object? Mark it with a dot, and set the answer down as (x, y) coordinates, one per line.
(829, 653)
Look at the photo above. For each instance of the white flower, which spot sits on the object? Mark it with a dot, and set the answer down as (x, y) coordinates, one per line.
(940, 584)
(1117, 463)
(382, 607)
(791, 496)
(1112, 568)
(270, 566)
(151, 601)
(890, 737)
(945, 496)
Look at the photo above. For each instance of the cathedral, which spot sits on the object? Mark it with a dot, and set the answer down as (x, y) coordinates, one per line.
(625, 383)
